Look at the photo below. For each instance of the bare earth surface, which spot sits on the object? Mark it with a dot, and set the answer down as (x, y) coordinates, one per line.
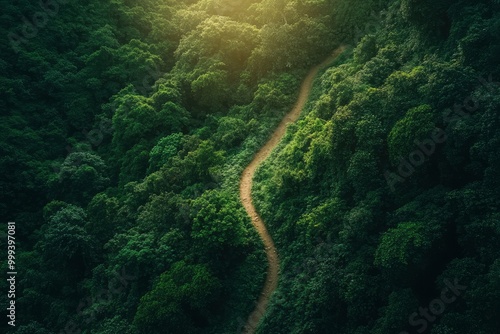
(246, 194)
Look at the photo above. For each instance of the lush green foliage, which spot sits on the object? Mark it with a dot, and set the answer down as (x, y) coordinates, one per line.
(387, 189)
(126, 125)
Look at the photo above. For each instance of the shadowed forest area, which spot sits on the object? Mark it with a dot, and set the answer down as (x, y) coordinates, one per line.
(126, 126)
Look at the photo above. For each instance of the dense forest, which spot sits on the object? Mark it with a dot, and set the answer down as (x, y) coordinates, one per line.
(126, 125)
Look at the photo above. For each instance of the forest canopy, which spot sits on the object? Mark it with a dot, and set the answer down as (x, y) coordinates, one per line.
(126, 125)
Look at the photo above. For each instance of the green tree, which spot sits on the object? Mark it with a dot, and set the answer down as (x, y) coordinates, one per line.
(416, 125)
(218, 224)
(179, 301)
(165, 149)
(82, 175)
(65, 243)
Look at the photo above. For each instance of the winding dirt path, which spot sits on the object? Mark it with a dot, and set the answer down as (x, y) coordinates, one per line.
(246, 194)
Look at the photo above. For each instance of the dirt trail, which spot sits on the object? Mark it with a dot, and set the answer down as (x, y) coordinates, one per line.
(246, 196)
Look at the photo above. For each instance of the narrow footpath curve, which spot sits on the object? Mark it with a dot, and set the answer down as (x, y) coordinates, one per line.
(246, 194)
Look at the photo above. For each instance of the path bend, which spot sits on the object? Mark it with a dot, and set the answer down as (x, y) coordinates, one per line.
(246, 182)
